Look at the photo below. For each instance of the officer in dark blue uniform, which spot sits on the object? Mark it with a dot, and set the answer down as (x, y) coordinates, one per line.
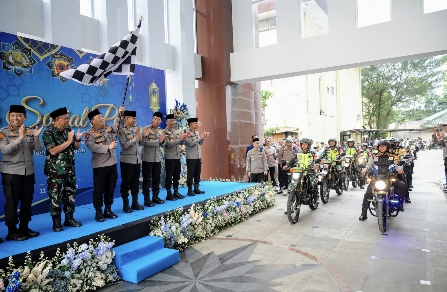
(382, 161)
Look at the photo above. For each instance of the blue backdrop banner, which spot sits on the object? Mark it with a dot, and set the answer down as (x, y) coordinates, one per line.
(30, 76)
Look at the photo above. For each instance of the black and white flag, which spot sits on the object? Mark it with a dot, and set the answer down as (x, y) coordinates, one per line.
(119, 60)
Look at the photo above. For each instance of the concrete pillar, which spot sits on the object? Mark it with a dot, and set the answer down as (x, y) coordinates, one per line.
(180, 83)
(288, 20)
(62, 23)
(8, 16)
(242, 17)
(112, 16)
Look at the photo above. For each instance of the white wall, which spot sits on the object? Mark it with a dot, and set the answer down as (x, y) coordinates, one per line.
(410, 34)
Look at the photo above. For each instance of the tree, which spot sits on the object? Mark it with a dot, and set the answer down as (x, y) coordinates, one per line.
(389, 90)
(265, 95)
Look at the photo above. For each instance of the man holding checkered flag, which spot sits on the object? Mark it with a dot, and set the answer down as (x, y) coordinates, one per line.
(119, 60)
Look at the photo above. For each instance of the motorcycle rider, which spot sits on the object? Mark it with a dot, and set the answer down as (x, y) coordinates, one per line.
(365, 153)
(351, 150)
(285, 155)
(332, 152)
(305, 158)
(382, 161)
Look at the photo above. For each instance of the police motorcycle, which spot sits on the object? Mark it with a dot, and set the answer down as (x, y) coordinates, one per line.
(327, 179)
(303, 190)
(385, 202)
(351, 171)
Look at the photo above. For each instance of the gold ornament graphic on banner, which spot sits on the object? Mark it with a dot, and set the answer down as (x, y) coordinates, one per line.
(154, 97)
(59, 63)
(80, 53)
(40, 49)
(16, 58)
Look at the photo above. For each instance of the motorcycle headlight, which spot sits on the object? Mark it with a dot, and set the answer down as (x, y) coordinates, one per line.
(360, 160)
(380, 185)
(295, 175)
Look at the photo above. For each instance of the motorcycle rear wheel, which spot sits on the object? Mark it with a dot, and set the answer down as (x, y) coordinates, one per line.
(381, 216)
(293, 207)
(338, 187)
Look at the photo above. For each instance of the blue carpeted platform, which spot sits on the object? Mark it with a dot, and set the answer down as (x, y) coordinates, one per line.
(86, 213)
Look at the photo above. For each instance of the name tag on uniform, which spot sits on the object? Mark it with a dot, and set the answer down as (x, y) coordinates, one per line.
(129, 137)
(376, 158)
(99, 140)
(390, 158)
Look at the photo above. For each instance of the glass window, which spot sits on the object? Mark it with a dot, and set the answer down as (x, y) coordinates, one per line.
(371, 12)
(434, 5)
(131, 18)
(314, 18)
(86, 8)
(264, 17)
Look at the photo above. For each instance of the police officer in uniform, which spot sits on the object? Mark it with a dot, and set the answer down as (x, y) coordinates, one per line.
(193, 156)
(256, 165)
(172, 158)
(285, 155)
(60, 143)
(17, 143)
(130, 159)
(153, 139)
(382, 160)
(351, 150)
(100, 140)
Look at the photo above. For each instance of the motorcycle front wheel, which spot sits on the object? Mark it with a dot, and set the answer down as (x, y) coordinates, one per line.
(381, 215)
(313, 205)
(324, 191)
(339, 186)
(293, 207)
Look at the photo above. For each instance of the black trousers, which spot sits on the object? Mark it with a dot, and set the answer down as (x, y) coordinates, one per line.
(257, 177)
(283, 177)
(104, 183)
(400, 188)
(173, 170)
(151, 172)
(272, 175)
(194, 169)
(130, 179)
(17, 188)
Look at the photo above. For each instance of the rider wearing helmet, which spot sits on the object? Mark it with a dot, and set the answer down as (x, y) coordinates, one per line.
(305, 156)
(350, 150)
(383, 162)
(332, 152)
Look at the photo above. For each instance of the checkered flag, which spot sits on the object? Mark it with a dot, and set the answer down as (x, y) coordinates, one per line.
(119, 59)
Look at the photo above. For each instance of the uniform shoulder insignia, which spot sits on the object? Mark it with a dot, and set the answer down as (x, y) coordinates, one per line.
(87, 135)
(2, 135)
(121, 132)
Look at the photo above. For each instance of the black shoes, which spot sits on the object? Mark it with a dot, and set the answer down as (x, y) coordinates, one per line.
(108, 213)
(1, 240)
(407, 200)
(17, 236)
(99, 217)
(147, 201)
(170, 196)
(197, 191)
(177, 195)
(135, 205)
(57, 223)
(30, 233)
(126, 207)
(190, 192)
(363, 216)
(156, 199)
(70, 221)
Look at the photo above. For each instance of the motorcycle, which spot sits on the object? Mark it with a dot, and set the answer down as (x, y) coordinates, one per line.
(350, 171)
(385, 201)
(360, 178)
(303, 190)
(329, 180)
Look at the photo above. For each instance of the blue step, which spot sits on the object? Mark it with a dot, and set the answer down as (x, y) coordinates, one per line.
(148, 265)
(135, 249)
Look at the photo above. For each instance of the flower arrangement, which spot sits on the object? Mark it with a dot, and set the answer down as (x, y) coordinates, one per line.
(181, 229)
(181, 116)
(81, 268)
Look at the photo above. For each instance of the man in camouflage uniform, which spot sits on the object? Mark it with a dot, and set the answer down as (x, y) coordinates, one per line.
(153, 139)
(17, 143)
(100, 140)
(194, 156)
(172, 158)
(60, 143)
(130, 159)
(256, 165)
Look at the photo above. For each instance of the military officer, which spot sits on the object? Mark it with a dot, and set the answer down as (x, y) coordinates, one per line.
(153, 139)
(194, 156)
(100, 140)
(285, 154)
(130, 159)
(60, 143)
(256, 165)
(172, 158)
(17, 143)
